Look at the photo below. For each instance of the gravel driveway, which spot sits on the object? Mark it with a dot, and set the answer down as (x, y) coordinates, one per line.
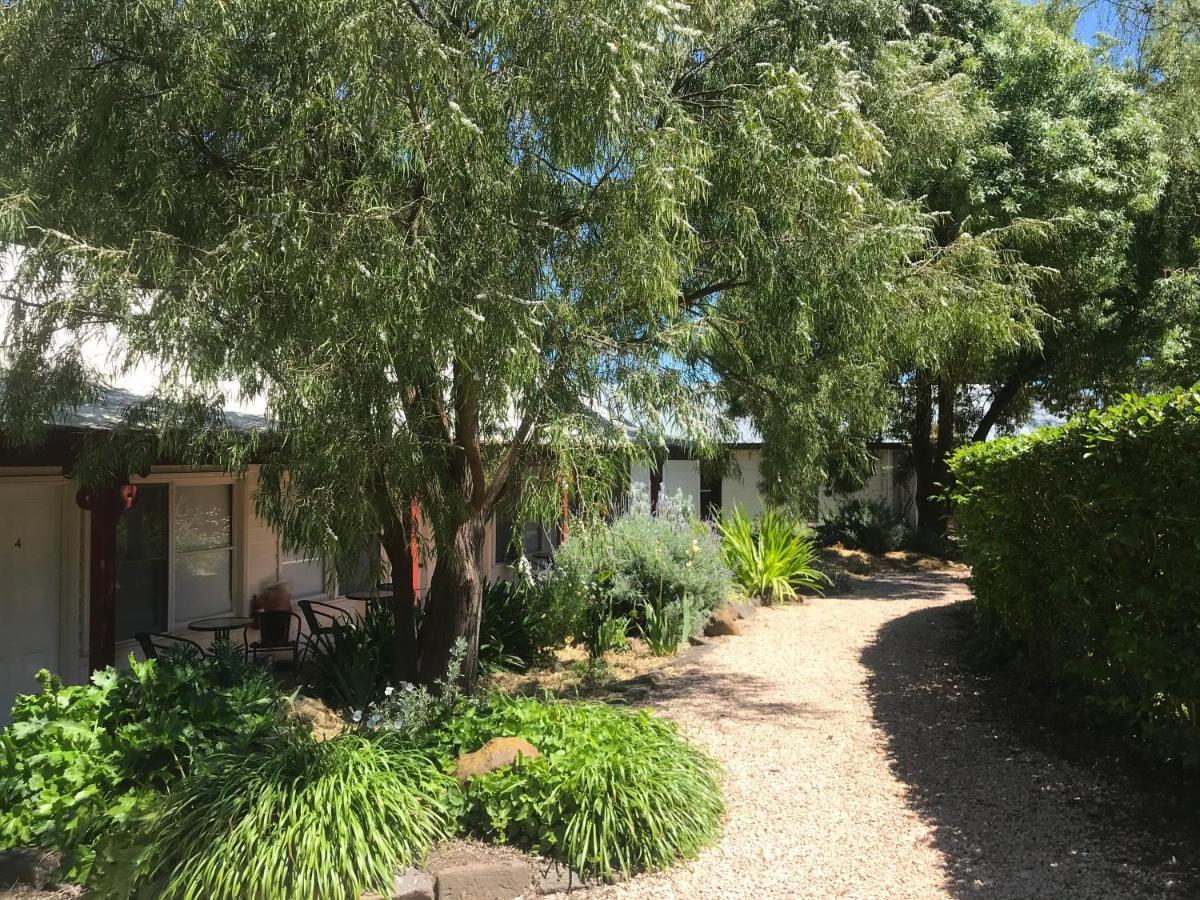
(862, 762)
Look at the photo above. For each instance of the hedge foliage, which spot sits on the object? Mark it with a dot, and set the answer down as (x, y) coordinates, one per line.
(1085, 545)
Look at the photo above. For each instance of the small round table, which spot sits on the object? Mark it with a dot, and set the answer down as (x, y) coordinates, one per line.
(221, 626)
(375, 596)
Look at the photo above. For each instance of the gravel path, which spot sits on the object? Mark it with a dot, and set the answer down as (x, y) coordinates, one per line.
(861, 762)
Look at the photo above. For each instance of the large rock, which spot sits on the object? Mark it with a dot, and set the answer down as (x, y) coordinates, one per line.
(498, 880)
(411, 884)
(495, 754)
(723, 621)
(744, 610)
(29, 866)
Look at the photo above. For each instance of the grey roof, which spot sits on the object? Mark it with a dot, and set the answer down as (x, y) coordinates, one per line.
(106, 413)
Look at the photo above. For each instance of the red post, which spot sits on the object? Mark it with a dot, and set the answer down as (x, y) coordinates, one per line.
(105, 506)
(415, 552)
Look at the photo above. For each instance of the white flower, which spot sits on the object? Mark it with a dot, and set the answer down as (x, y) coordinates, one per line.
(388, 691)
(408, 687)
(373, 721)
(357, 715)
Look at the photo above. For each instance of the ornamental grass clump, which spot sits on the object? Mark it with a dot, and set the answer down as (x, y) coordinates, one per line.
(772, 557)
(614, 790)
(297, 820)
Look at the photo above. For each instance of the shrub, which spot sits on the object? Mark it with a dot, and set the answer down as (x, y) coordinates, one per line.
(614, 789)
(639, 561)
(1083, 542)
(525, 619)
(771, 558)
(414, 712)
(299, 819)
(863, 525)
(349, 668)
(78, 760)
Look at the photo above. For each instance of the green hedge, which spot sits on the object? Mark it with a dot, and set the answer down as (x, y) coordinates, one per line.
(1085, 546)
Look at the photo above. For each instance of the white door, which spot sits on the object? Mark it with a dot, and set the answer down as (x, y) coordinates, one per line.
(30, 566)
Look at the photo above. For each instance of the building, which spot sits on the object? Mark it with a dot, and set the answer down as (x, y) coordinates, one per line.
(891, 482)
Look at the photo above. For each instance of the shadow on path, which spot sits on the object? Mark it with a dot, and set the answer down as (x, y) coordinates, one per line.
(1014, 818)
(902, 585)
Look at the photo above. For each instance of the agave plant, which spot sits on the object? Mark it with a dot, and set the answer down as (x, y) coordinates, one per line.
(772, 557)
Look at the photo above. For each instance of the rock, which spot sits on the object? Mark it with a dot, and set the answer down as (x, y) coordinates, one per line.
(635, 694)
(744, 610)
(558, 880)
(495, 754)
(413, 884)
(646, 679)
(29, 865)
(697, 641)
(499, 880)
(723, 621)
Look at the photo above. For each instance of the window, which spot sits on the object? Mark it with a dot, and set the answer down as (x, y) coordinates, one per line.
(710, 494)
(362, 575)
(203, 551)
(142, 564)
(536, 541)
(175, 556)
(305, 574)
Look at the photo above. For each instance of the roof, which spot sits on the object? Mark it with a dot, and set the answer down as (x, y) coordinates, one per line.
(106, 413)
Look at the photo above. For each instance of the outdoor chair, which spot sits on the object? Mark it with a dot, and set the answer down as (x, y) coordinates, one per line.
(156, 645)
(324, 618)
(278, 630)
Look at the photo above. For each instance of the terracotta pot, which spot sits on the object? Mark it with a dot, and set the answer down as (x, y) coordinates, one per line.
(276, 596)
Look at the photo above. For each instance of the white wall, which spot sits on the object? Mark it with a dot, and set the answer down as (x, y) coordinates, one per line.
(740, 488)
(639, 474)
(261, 542)
(682, 476)
(887, 484)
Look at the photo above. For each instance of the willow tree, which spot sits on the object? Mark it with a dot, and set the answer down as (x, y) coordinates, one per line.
(442, 238)
(1063, 163)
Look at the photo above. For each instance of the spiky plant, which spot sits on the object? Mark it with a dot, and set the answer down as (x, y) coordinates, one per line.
(772, 558)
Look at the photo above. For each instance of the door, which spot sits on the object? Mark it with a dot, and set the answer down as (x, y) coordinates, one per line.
(30, 602)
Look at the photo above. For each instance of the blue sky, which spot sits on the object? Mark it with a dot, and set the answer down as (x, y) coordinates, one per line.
(1100, 16)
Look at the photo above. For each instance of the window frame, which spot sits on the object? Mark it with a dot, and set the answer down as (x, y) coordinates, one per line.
(326, 580)
(173, 481)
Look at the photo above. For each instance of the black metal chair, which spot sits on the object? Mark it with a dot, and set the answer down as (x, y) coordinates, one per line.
(156, 645)
(276, 633)
(324, 618)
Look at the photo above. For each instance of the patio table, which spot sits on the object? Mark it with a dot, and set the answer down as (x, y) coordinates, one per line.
(220, 626)
(375, 596)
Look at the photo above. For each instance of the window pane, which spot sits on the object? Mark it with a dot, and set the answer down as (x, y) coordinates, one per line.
(296, 555)
(203, 584)
(203, 517)
(142, 529)
(305, 577)
(141, 597)
(142, 564)
(361, 577)
(505, 552)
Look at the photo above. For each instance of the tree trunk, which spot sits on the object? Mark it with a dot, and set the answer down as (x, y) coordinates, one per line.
(922, 451)
(945, 446)
(404, 648)
(453, 604)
